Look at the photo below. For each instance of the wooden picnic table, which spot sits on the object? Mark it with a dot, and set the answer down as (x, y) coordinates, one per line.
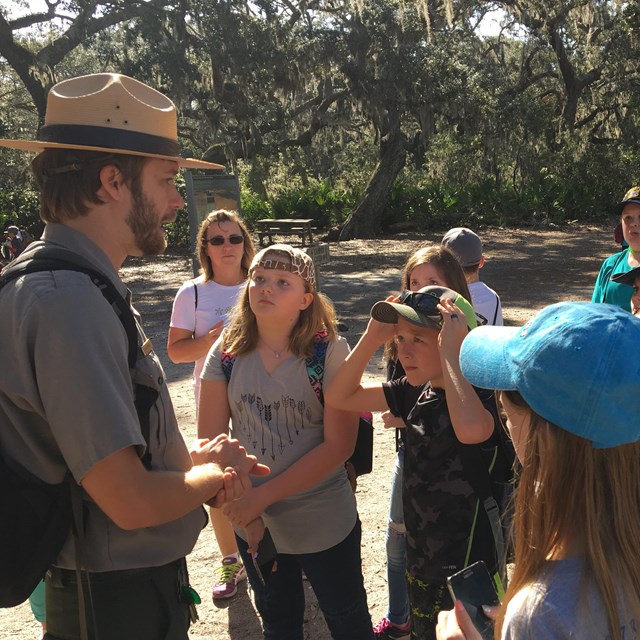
(267, 228)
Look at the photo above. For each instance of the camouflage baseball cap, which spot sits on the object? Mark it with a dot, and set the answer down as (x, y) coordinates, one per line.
(633, 195)
(286, 258)
(421, 307)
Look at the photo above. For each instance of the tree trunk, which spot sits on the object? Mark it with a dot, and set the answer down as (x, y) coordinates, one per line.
(365, 220)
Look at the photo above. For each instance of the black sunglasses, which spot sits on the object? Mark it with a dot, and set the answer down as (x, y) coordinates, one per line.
(427, 303)
(217, 241)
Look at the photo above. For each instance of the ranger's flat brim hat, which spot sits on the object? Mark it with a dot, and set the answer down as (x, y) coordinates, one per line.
(110, 112)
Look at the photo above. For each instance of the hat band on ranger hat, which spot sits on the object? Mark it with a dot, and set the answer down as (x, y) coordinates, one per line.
(93, 136)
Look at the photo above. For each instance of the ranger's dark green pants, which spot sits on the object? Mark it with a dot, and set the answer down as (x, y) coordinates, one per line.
(139, 604)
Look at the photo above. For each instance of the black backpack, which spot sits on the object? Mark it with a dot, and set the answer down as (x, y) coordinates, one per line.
(495, 492)
(37, 516)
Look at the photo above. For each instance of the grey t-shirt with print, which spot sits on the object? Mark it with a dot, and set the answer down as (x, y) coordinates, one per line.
(278, 418)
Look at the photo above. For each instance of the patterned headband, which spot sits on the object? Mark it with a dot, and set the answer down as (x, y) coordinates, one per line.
(300, 263)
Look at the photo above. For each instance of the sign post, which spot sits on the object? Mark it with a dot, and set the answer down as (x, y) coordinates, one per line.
(207, 193)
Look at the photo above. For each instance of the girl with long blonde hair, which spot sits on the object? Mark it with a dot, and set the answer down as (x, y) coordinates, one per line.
(264, 374)
(570, 394)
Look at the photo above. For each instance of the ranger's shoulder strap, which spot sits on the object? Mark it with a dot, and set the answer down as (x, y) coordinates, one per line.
(49, 258)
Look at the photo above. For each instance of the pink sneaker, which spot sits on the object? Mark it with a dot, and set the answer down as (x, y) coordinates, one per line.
(386, 630)
(230, 572)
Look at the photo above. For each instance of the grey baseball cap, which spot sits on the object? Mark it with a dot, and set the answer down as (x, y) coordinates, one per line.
(465, 244)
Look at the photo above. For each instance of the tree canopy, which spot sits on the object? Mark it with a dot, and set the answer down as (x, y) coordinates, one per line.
(376, 98)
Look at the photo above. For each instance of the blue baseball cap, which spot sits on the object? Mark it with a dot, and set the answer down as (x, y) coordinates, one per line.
(574, 363)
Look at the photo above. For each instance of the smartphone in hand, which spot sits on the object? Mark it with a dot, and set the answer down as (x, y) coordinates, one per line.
(474, 587)
(265, 558)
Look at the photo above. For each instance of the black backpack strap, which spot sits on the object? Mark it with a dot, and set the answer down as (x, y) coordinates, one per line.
(362, 457)
(479, 476)
(144, 398)
(227, 359)
(195, 293)
(315, 363)
(80, 547)
(57, 259)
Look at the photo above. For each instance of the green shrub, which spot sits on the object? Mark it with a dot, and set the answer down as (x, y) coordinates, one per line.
(178, 231)
(22, 205)
(253, 207)
(320, 201)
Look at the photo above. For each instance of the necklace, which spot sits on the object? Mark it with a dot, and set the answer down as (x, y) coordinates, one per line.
(276, 352)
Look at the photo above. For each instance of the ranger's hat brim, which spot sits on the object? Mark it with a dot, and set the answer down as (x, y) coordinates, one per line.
(110, 112)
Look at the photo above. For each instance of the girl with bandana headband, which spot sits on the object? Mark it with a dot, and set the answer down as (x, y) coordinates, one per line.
(307, 503)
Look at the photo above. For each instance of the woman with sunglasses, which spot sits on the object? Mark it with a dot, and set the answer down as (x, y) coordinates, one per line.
(200, 310)
(452, 440)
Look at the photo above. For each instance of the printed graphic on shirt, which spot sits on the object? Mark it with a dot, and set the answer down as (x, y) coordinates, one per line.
(262, 421)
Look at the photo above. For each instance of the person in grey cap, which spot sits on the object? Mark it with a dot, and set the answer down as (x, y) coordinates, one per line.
(467, 247)
(106, 169)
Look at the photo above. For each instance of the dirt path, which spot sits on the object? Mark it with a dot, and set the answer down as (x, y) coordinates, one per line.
(529, 269)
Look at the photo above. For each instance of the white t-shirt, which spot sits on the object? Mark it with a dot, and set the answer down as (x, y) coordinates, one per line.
(215, 301)
(278, 418)
(486, 302)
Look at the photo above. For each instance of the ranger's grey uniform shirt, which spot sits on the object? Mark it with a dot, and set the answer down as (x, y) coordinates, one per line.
(66, 401)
